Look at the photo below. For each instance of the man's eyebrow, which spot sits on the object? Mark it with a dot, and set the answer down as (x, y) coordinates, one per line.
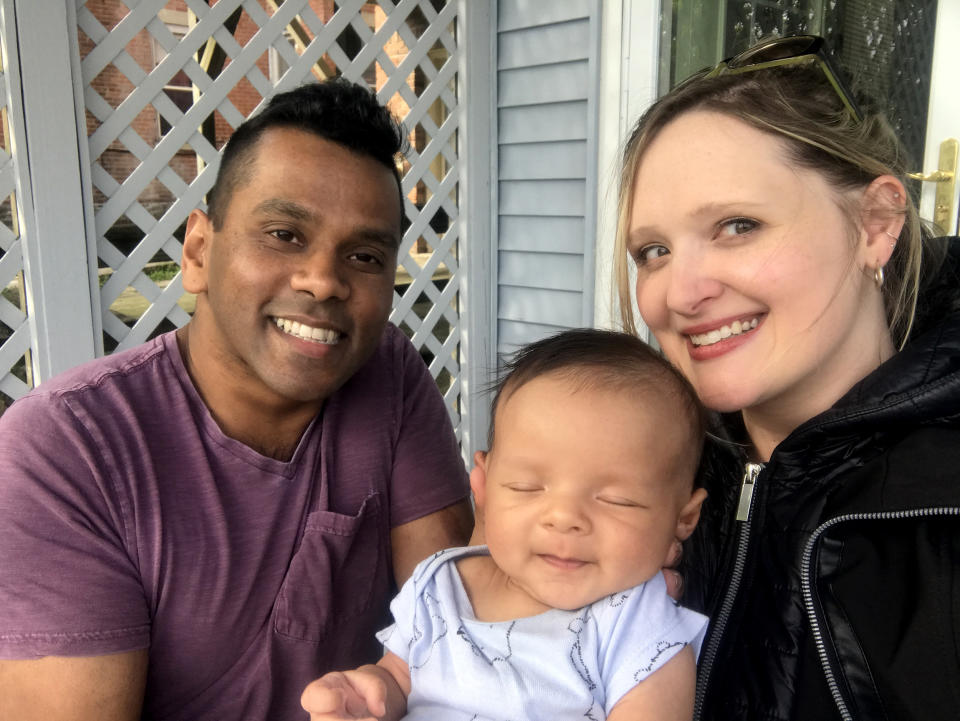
(384, 237)
(283, 207)
(295, 211)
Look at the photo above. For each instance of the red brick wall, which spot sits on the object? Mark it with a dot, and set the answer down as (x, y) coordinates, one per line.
(114, 87)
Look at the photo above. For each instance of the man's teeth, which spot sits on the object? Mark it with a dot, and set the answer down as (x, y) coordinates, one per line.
(306, 332)
(717, 335)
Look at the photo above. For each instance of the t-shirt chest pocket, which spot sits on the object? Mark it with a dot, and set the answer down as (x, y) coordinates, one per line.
(336, 573)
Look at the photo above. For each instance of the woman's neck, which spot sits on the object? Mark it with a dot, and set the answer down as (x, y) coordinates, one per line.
(767, 424)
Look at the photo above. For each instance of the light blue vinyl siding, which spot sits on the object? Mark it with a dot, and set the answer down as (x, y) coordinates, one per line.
(541, 270)
(526, 161)
(545, 45)
(543, 197)
(542, 123)
(543, 84)
(522, 14)
(516, 333)
(536, 305)
(547, 78)
(543, 235)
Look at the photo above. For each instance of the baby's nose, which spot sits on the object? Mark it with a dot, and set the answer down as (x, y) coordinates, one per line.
(565, 516)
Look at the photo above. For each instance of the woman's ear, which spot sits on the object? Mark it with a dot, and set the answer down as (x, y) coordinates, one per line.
(882, 217)
(690, 514)
(196, 244)
(478, 478)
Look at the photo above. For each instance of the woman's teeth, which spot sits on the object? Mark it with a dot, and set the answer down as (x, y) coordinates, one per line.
(306, 332)
(715, 336)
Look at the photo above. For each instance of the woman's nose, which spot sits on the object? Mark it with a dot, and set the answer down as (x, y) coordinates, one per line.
(691, 282)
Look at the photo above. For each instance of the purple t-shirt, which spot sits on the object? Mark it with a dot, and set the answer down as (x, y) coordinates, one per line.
(128, 520)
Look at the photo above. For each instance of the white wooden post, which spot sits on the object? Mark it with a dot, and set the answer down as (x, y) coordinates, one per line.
(630, 53)
(478, 159)
(59, 270)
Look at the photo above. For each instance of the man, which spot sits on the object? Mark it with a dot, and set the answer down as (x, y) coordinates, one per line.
(215, 518)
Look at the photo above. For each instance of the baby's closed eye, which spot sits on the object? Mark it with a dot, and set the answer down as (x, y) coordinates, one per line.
(523, 487)
(615, 500)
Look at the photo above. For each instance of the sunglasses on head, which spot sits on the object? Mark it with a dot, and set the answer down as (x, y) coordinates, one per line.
(780, 52)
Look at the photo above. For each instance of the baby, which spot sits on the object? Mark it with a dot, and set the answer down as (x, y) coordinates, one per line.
(564, 613)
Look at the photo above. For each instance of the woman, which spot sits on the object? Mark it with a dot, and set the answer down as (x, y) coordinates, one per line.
(780, 264)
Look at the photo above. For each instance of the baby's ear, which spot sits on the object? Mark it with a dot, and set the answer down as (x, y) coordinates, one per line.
(690, 514)
(478, 478)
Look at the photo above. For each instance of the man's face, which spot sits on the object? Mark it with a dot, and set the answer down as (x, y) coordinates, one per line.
(295, 288)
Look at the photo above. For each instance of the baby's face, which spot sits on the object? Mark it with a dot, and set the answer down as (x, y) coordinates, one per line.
(583, 490)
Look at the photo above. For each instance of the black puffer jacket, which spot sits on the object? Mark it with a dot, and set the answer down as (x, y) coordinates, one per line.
(837, 594)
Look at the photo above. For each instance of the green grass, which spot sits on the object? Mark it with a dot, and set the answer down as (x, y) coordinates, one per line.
(155, 272)
(165, 271)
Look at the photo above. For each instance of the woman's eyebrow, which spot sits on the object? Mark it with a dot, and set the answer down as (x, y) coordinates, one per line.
(725, 206)
(704, 210)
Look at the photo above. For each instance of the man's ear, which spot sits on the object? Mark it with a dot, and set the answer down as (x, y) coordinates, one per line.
(478, 478)
(196, 249)
(882, 215)
(690, 514)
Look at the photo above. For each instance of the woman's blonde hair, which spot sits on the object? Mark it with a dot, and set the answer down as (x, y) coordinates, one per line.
(797, 105)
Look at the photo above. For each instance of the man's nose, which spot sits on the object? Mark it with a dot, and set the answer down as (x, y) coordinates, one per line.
(321, 275)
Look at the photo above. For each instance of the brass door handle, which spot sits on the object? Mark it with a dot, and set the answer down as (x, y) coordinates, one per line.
(937, 176)
(946, 179)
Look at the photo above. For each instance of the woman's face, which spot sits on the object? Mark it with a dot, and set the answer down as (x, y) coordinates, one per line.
(750, 275)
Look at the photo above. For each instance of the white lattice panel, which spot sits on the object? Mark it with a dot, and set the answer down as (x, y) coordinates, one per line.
(15, 337)
(234, 54)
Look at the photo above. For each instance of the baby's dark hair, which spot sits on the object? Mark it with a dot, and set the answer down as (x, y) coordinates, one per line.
(337, 110)
(611, 360)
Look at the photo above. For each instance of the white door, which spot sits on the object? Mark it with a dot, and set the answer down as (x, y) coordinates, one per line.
(939, 200)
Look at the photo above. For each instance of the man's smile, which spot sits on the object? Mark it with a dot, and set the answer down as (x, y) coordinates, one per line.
(303, 331)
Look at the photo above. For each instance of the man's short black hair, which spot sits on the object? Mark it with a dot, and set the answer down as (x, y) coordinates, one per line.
(337, 110)
(592, 358)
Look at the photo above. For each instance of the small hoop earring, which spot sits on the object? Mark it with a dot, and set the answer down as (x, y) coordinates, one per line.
(893, 238)
(878, 277)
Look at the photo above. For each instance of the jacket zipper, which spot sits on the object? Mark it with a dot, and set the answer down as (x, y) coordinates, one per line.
(807, 587)
(744, 507)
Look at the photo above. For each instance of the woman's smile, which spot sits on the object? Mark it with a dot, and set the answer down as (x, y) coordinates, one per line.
(724, 332)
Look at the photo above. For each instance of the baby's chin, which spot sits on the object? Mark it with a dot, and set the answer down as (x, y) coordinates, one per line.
(569, 603)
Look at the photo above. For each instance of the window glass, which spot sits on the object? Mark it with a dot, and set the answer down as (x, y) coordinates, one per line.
(884, 47)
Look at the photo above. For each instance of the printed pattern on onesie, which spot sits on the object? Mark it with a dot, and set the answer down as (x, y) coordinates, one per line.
(553, 666)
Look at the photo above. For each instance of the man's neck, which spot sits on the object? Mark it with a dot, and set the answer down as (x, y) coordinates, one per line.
(270, 428)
